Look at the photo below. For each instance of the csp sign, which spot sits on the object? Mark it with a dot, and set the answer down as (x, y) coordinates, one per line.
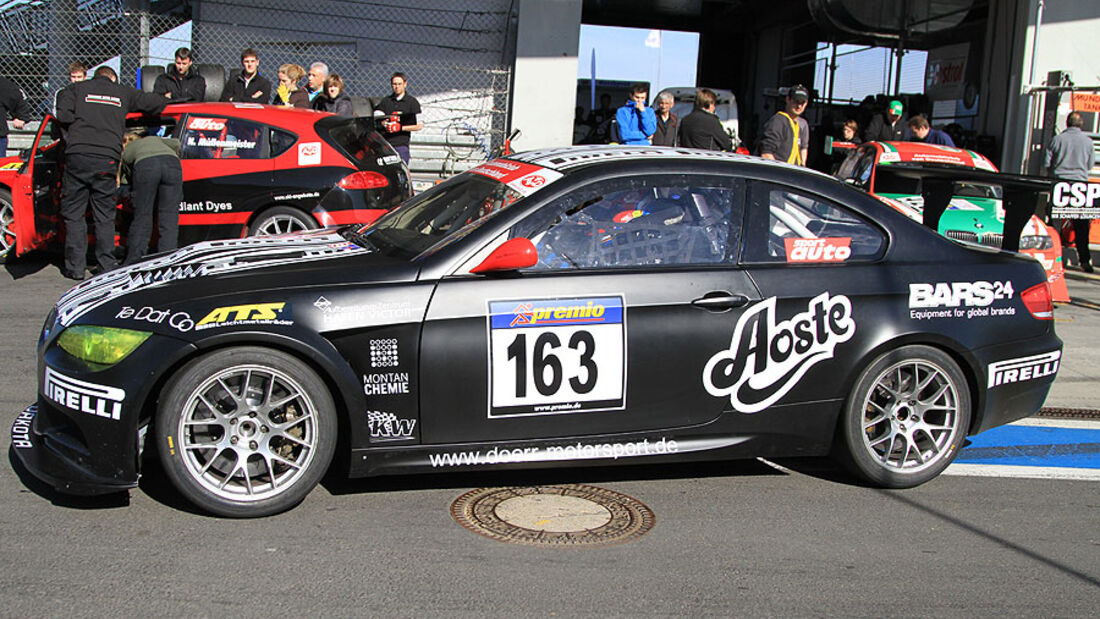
(1075, 200)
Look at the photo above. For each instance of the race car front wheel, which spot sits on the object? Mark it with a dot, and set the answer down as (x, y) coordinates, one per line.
(906, 418)
(281, 220)
(7, 224)
(246, 431)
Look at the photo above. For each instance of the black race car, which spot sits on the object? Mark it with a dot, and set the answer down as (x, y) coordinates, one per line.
(592, 305)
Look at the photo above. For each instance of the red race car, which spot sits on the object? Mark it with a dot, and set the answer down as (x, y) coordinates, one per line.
(247, 169)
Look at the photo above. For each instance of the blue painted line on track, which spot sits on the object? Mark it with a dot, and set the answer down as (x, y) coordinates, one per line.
(1034, 446)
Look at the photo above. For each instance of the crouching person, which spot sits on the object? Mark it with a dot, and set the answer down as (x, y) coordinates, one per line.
(152, 165)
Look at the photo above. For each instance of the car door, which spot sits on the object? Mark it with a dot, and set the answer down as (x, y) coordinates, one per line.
(36, 191)
(611, 331)
(227, 175)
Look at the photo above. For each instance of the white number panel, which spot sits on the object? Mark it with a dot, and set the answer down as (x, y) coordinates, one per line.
(556, 356)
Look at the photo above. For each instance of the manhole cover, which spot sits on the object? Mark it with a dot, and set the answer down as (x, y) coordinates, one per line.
(558, 515)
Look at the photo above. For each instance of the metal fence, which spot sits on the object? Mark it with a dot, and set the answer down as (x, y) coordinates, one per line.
(458, 60)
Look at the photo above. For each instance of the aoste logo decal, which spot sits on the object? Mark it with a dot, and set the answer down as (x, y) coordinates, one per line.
(767, 358)
(818, 250)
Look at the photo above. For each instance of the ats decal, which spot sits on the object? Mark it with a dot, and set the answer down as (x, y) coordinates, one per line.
(383, 353)
(253, 314)
(390, 383)
(818, 250)
(79, 395)
(554, 356)
(1024, 368)
(964, 299)
(766, 359)
(180, 321)
(21, 429)
(387, 426)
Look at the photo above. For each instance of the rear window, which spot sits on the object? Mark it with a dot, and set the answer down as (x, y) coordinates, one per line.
(357, 140)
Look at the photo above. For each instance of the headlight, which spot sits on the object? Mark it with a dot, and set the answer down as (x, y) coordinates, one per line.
(103, 346)
(1035, 241)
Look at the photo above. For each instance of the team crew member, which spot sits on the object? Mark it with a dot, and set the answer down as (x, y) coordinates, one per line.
(78, 72)
(668, 125)
(701, 128)
(1071, 157)
(888, 126)
(402, 109)
(923, 132)
(152, 165)
(787, 134)
(637, 122)
(13, 103)
(248, 86)
(95, 112)
(182, 82)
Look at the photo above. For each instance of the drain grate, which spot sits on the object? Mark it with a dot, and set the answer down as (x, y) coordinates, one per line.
(554, 515)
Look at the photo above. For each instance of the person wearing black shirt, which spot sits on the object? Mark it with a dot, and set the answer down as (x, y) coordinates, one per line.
(401, 109)
(701, 128)
(888, 126)
(94, 112)
(668, 124)
(181, 82)
(13, 103)
(248, 86)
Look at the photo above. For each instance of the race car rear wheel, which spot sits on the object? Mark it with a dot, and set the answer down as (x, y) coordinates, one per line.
(906, 418)
(246, 431)
(7, 224)
(281, 220)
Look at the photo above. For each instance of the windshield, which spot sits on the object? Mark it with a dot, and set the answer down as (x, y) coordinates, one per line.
(439, 216)
(357, 139)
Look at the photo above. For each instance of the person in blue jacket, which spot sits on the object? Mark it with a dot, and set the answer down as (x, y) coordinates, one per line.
(636, 121)
(923, 132)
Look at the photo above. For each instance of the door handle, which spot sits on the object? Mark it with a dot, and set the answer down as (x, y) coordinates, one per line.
(717, 301)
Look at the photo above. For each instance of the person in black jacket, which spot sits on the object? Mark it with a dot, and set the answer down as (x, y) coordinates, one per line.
(94, 113)
(248, 86)
(701, 128)
(13, 103)
(182, 82)
(889, 126)
(333, 98)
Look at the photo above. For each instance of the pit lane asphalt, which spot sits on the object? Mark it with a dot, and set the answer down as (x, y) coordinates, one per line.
(733, 539)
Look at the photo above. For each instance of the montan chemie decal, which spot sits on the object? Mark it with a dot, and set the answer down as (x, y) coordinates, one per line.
(766, 359)
(556, 356)
(818, 250)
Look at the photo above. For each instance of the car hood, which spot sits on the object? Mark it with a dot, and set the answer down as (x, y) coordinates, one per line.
(241, 265)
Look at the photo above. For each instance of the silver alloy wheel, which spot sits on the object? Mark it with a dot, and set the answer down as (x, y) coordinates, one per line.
(7, 227)
(280, 224)
(247, 432)
(911, 416)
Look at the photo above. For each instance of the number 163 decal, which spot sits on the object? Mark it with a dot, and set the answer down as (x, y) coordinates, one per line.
(556, 356)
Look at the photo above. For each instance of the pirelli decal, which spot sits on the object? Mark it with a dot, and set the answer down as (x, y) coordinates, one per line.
(82, 396)
(1024, 368)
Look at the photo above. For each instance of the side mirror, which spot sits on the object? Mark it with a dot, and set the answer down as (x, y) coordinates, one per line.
(25, 155)
(512, 255)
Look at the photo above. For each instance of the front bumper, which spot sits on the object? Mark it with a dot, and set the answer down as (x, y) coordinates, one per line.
(49, 459)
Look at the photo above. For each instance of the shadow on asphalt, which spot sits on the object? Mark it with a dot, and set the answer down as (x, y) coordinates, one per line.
(46, 491)
(32, 263)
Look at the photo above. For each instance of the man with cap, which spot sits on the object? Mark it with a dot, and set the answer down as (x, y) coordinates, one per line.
(786, 134)
(888, 126)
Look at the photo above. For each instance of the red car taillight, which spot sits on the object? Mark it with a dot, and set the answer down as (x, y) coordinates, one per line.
(1039, 301)
(363, 180)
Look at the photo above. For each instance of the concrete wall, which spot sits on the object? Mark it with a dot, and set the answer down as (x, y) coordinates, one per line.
(545, 75)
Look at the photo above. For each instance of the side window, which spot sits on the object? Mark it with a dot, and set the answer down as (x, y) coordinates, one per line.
(281, 141)
(206, 137)
(786, 225)
(628, 222)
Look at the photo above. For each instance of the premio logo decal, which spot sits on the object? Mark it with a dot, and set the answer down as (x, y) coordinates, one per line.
(767, 358)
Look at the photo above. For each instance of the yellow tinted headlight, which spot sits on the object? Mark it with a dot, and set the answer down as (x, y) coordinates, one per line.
(100, 345)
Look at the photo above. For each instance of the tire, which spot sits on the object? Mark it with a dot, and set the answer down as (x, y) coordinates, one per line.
(906, 418)
(281, 220)
(7, 224)
(253, 405)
